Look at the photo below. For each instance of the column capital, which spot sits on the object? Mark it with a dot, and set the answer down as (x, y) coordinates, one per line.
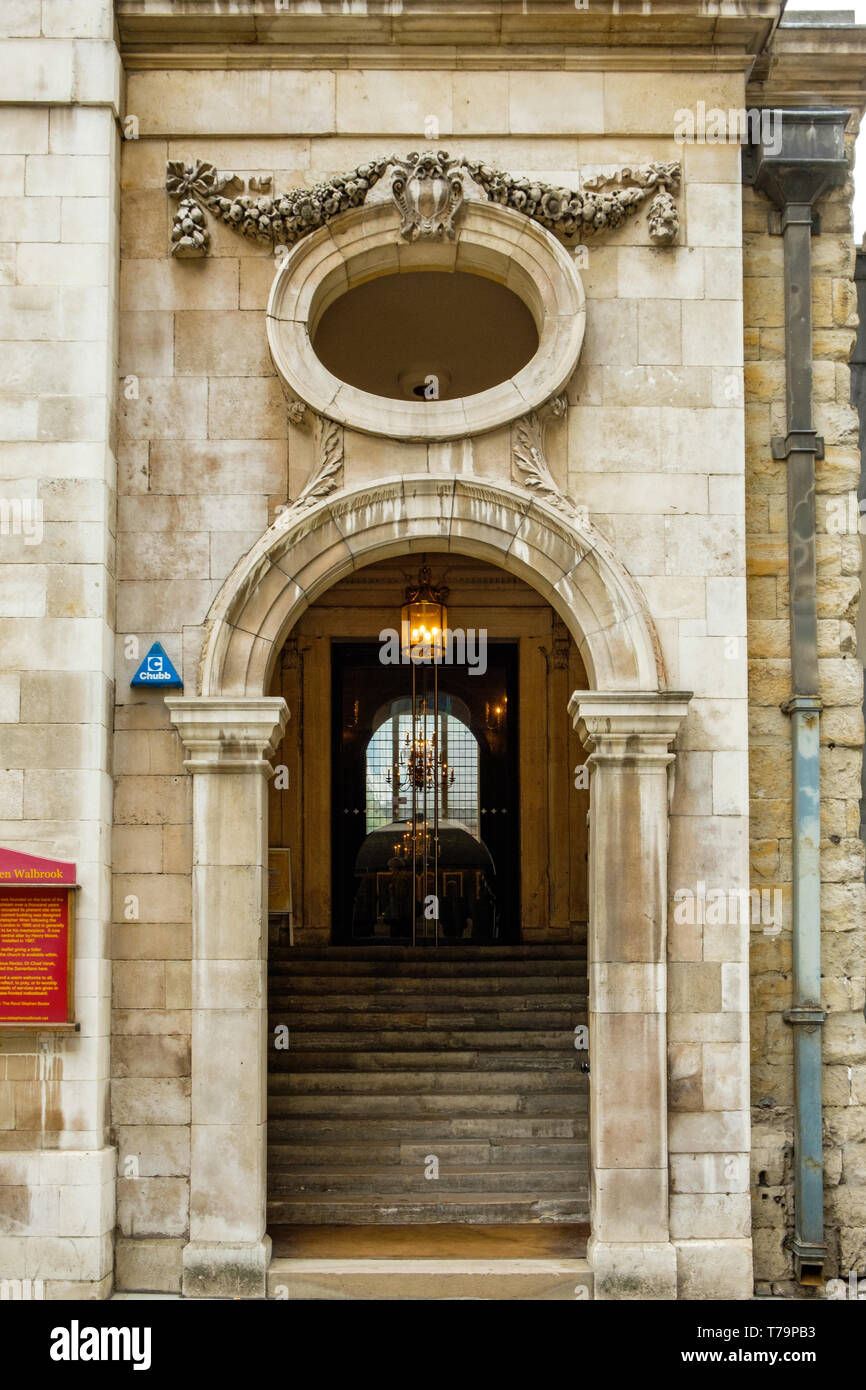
(628, 725)
(228, 733)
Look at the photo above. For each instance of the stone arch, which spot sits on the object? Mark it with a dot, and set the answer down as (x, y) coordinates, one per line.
(304, 552)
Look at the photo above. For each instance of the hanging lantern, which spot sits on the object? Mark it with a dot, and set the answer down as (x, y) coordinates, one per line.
(424, 621)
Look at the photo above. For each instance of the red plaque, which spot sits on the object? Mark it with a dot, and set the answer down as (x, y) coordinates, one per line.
(36, 931)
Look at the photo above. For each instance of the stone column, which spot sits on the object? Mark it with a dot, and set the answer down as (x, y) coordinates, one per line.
(628, 737)
(228, 743)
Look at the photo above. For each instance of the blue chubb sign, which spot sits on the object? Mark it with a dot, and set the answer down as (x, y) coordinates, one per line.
(156, 669)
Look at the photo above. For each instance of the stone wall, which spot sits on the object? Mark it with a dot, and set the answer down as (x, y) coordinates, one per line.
(59, 102)
(652, 446)
(843, 897)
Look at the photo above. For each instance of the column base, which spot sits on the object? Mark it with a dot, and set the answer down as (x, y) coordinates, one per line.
(640, 1271)
(236, 1270)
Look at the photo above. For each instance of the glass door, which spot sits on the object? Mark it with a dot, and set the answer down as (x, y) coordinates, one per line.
(425, 800)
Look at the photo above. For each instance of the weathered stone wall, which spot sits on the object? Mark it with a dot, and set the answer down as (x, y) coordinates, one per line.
(59, 103)
(843, 897)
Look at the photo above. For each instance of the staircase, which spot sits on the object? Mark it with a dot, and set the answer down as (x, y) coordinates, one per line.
(401, 1057)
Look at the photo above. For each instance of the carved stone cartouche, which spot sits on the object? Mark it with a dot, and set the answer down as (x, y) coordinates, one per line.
(428, 192)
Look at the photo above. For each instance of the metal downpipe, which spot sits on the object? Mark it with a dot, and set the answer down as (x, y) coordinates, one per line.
(805, 1015)
(794, 172)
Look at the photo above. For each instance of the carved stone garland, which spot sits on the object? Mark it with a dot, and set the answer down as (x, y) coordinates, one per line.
(569, 214)
(428, 191)
(280, 221)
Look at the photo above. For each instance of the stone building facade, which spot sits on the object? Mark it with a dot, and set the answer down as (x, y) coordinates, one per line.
(188, 192)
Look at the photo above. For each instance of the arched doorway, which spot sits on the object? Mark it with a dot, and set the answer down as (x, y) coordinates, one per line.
(346, 774)
(626, 720)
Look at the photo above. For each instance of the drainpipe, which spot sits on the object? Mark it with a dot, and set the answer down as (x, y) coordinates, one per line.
(804, 159)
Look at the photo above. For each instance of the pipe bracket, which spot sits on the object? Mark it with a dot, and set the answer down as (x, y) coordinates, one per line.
(804, 1013)
(778, 221)
(797, 442)
(812, 704)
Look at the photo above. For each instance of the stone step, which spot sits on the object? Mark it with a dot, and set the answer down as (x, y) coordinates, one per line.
(288, 1151)
(398, 1053)
(331, 954)
(393, 1209)
(367, 986)
(391, 1004)
(435, 1039)
(361, 1083)
(440, 1103)
(565, 1179)
(409, 1128)
(414, 969)
(555, 1280)
(376, 1059)
(312, 1024)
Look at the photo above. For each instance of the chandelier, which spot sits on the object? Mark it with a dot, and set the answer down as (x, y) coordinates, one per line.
(416, 841)
(419, 768)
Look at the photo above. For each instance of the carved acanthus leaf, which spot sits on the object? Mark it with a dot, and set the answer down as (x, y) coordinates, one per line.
(328, 470)
(530, 458)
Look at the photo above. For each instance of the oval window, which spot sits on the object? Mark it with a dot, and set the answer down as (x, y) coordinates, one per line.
(426, 335)
(426, 339)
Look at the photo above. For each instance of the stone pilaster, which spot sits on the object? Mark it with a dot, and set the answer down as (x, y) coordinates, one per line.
(628, 737)
(228, 743)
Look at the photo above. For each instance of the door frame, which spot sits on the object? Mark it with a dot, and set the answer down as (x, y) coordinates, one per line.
(504, 650)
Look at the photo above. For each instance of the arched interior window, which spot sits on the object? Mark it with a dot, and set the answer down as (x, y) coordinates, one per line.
(458, 746)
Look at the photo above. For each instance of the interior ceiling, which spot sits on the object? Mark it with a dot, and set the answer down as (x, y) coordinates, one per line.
(471, 582)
